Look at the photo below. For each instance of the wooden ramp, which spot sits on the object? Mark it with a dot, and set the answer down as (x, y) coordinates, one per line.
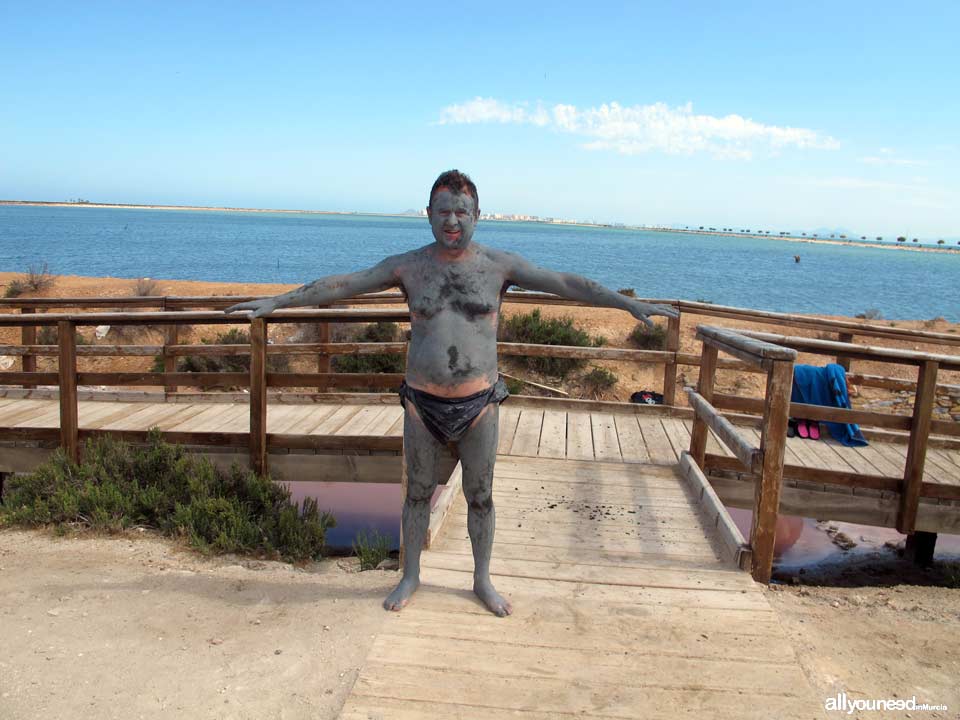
(623, 608)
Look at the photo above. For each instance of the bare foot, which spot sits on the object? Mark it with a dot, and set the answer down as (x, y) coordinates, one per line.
(401, 594)
(494, 601)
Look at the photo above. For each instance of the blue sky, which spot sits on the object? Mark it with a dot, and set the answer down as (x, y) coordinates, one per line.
(785, 116)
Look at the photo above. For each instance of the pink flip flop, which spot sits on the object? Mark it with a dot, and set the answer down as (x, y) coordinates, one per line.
(802, 429)
(814, 428)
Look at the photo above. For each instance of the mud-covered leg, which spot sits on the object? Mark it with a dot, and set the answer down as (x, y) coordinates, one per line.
(423, 454)
(478, 454)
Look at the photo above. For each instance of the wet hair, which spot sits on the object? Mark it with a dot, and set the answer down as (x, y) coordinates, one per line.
(457, 182)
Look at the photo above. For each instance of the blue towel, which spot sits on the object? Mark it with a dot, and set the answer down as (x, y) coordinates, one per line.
(827, 386)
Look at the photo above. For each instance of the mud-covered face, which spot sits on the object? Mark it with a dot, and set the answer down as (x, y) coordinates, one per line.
(453, 218)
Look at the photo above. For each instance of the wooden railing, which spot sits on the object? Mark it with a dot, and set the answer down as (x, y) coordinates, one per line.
(766, 461)
(671, 357)
(775, 354)
(258, 380)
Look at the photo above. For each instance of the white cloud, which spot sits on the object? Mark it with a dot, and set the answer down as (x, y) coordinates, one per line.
(635, 129)
(886, 159)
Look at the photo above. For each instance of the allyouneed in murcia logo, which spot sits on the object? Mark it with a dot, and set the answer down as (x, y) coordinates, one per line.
(845, 704)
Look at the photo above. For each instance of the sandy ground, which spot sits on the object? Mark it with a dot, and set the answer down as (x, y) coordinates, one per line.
(882, 630)
(138, 627)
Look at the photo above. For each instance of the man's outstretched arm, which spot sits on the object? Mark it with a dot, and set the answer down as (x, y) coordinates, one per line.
(576, 287)
(327, 289)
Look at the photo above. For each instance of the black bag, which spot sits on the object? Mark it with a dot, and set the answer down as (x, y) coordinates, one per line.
(647, 397)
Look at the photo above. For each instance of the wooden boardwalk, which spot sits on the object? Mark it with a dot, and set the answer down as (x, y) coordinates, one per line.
(524, 431)
(623, 609)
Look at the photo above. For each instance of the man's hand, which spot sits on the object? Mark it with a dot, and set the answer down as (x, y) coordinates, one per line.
(259, 307)
(640, 310)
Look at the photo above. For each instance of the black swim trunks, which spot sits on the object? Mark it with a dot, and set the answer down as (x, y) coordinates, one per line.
(447, 419)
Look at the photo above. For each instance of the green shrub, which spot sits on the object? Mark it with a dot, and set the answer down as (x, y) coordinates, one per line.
(514, 386)
(375, 362)
(629, 292)
(649, 338)
(372, 548)
(15, 288)
(47, 335)
(224, 363)
(533, 328)
(117, 486)
(599, 380)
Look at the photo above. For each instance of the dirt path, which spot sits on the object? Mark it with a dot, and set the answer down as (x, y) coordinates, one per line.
(112, 627)
(894, 642)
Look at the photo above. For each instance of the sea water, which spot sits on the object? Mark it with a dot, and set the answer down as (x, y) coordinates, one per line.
(299, 247)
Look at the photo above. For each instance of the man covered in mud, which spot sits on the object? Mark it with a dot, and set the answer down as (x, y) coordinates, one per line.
(452, 389)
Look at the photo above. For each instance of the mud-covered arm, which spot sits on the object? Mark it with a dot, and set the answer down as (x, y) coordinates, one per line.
(576, 287)
(327, 289)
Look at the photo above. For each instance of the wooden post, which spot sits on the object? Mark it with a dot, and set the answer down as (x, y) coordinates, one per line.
(917, 447)
(708, 373)
(844, 362)
(172, 337)
(28, 336)
(258, 395)
(773, 442)
(919, 548)
(323, 336)
(69, 427)
(670, 368)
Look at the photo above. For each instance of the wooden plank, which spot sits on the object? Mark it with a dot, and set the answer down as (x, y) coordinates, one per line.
(143, 417)
(827, 457)
(67, 369)
(705, 387)
(383, 424)
(657, 442)
(579, 436)
(330, 424)
(880, 461)
(731, 539)
(753, 639)
(917, 446)
(360, 423)
(632, 447)
(750, 349)
(25, 409)
(677, 434)
(716, 580)
(582, 353)
(483, 658)
(336, 468)
(606, 446)
(897, 454)
(527, 440)
(553, 436)
(816, 412)
(509, 418)
(725, 430)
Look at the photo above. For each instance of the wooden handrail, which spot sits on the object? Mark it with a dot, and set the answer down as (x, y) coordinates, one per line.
(864, 352)
(752, 351)
(749, 456)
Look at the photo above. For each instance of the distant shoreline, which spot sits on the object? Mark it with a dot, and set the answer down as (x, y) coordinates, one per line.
(646, 228)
